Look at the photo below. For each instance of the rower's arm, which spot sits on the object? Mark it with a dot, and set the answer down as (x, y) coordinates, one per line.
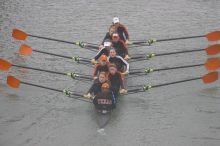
(101, 51)
(125, 30)
(122, 82)
(107, 36)
(93, 87)
(95, 71)
(124, 47)
(125, 63)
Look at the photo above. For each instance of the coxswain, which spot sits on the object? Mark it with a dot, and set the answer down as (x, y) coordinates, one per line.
(96, 86)
(116, 81)
(121, 30)
(120, 46)
(121, 64)
(104, 50)
(102, 66)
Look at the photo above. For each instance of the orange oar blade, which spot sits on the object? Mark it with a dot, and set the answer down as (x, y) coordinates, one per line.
(212, 64)
(13, 82)
(213, 36)
(210, 77)
(4, 65)
(213, 50)
(25, 50)
(19, 35)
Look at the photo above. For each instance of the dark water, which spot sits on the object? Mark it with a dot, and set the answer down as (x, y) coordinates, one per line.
(184, 114)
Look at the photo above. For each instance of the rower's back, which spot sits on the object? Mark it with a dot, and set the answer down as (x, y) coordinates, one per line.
(104, 101)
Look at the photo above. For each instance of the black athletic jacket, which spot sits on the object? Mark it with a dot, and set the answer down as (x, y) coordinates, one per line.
(116, 82)
(101, 52)
(104, 100)
(120, 48)
(119, 62)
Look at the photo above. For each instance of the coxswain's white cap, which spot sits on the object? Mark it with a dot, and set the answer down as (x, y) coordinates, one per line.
(115, 20)
(107, 44)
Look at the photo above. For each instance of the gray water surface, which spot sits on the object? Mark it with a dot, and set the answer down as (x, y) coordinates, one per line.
(186, 114)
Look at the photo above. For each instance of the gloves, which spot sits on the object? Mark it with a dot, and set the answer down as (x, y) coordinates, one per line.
(123, 91)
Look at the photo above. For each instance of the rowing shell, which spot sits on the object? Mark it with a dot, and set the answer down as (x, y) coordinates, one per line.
(103, 117)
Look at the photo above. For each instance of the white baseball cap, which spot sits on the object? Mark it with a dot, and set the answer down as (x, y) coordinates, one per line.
(115, 20)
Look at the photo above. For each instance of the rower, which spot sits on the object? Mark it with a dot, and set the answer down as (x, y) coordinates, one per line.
(102, 66)
(104, 50)
(121, 30)
(104, 100)
(116, 81)
(96, 86)
(121, 64)
(120, 46)
(108, 35)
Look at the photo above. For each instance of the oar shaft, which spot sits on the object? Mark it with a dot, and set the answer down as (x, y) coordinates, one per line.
(77, 96)
(86, 77)
(146, 71)
(38, 69)
(170, 39)
(147, 87)
(43, 52)
(86, 60)
(176, 82)
(43, 87)
(180, 38)
(93, 48)
(178, 67)
(179, 52)
(148, 56)
(51, 39)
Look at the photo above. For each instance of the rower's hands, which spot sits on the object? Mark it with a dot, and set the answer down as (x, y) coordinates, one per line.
(89, 96)
(93, 61)
(127, 57)
(127, 42)
(123, 91)
(125, 73)
(100, 47)
(94, 78)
